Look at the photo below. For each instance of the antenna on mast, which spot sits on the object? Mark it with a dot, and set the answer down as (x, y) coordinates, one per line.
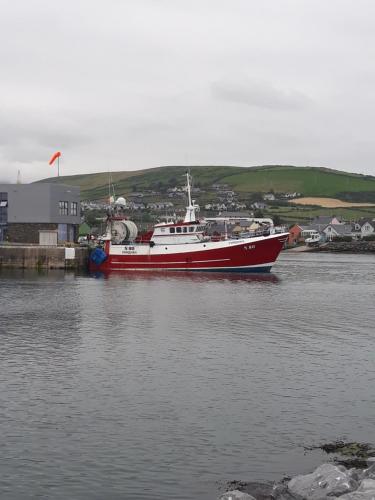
(192, 207)
(111, 189)
(188, 187)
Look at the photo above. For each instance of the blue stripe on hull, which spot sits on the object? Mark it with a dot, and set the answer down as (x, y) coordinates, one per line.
(265, 269)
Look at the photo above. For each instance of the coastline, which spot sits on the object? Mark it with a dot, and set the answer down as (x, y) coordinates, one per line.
(349, 474)
(359, 246)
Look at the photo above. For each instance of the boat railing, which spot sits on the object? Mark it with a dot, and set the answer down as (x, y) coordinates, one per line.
(256, 233)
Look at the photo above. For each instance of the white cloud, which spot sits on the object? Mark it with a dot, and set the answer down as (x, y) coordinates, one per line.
(127, 85)
(262, 95)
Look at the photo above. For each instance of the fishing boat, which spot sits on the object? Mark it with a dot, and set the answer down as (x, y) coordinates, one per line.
(184, 245)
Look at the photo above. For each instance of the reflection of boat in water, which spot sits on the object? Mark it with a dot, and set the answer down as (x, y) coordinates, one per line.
(197, 276)
(183, 246)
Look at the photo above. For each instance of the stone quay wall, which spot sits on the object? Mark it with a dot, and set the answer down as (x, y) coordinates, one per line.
(41, 257)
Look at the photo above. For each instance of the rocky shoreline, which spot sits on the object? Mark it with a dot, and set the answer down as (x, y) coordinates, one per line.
(329, 480)
(359, 246)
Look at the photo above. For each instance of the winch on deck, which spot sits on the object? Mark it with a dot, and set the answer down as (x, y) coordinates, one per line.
(123, 231)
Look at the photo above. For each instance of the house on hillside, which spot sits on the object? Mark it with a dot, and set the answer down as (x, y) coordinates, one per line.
(364, 227)
(269, 197)
(258, 205)
(135, 205)
(160, 205)
(338, 230)
(238, 206)
(291, 195)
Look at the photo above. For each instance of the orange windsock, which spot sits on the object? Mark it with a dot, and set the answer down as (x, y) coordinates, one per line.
(53, 158)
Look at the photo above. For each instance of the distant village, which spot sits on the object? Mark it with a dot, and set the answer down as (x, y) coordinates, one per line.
(236, 214)
(331, 228)
(224, 199)
(221, 202)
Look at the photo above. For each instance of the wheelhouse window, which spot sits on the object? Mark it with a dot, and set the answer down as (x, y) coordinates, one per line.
(178, 229)
(191, 229)
(74, 208)
(171, 230)
(63, 208)
(184, 229)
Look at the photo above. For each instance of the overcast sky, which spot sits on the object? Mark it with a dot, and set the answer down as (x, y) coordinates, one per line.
(130, 84)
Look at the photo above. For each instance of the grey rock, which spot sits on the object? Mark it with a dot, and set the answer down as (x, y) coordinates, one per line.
(328, 480)
(280, 492)
(365, 491)
(369, 473)
(358, 495)
(357, 474)
(260, 491)
(236, 495)
(367, 485)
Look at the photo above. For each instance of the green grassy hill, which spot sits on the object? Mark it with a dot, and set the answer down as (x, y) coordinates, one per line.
(309, 181)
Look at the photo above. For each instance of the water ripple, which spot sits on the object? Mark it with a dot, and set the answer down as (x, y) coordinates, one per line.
(156, 386)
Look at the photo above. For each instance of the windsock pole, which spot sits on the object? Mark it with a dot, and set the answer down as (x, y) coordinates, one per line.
(53, 158)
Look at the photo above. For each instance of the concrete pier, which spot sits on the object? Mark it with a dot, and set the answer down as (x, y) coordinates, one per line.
(42, 257)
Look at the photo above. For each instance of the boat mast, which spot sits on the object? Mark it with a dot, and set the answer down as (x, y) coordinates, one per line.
(190, 209)
(188, 188)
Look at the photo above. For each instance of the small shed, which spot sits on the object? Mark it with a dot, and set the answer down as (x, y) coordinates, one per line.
(294, 234)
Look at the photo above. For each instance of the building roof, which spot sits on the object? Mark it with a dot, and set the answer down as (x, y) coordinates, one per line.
(324, 219)
(365, 220)
(313, 227)
(341, 229)
(237, 214)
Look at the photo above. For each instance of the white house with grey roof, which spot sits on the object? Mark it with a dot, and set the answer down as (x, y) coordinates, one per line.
(365, 227)
(335, 230)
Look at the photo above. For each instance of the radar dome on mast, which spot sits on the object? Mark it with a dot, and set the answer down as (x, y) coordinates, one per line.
(120, 201)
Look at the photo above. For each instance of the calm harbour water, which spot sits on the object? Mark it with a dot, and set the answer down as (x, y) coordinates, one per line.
(158, 386)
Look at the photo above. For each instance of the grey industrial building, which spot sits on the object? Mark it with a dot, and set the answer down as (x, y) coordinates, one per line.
(26, 209)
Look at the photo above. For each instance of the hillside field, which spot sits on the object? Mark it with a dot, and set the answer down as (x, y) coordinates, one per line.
(328, 202)
(308, 181)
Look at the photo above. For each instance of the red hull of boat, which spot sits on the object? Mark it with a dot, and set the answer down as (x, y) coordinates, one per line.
(250, 256)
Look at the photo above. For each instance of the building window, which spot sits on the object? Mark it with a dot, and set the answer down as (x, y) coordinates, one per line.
(3, 208)
(74, 208)
(63, 208)
(184, 229)
(178, 230)
(171, 229)
(191, 229)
